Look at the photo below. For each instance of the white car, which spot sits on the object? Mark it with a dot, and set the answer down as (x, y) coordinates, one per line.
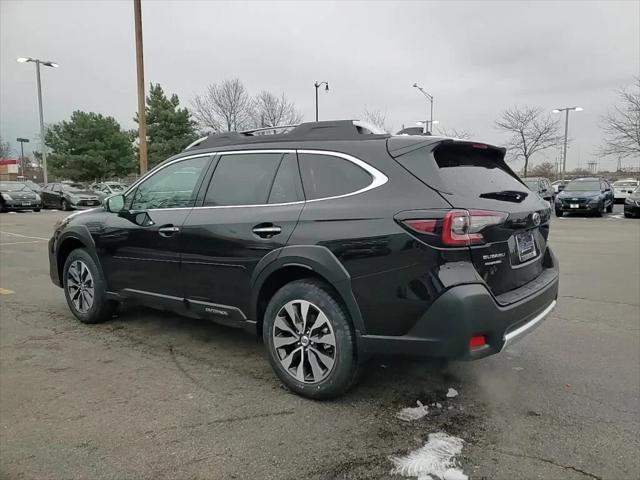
(556, 185)
(623, 188)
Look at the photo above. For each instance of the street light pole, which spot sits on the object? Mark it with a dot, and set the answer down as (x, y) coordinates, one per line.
(326, 89)
(430, 99)
(46, 63)
(566, 110)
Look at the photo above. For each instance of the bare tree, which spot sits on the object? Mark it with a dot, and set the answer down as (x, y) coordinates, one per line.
(5, 149)
(224, 107)
(621, 126)
(545, 169)
(454, 133)
(377, 118)
(271, 111)
(531, 130)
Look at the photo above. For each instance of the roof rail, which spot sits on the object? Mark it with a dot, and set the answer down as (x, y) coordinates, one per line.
(327, 130)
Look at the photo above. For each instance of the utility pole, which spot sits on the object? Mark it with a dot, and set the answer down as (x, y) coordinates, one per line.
(22, 141)
(142, 120)
(427, 127)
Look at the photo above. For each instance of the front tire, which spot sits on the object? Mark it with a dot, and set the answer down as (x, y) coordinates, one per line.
(36, 210)
(85, 288)
(65, 205)
(559, 213)
(610, 208)
(310, 340)
(600, 210)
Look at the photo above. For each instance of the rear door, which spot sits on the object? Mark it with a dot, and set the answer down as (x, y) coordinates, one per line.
(251, 207)
(475, 177)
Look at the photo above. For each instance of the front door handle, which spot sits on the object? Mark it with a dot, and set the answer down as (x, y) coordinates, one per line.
(267, 231)
(168, 230)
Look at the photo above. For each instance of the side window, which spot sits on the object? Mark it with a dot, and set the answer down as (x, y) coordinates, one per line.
(243, 179)
(173, 186)
(329, 176)
(287, 186)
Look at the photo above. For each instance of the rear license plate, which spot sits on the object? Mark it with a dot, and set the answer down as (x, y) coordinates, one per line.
(575, 205)
(26, 204)
(526, 246)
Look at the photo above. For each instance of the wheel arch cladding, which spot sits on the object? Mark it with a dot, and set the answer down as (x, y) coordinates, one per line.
(298, 262)
(73, 238)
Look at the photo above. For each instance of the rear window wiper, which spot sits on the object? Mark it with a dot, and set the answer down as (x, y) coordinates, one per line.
(506, 195)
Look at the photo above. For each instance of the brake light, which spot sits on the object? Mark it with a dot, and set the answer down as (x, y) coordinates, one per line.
(422, 226)
(457, 228)
(477, 341)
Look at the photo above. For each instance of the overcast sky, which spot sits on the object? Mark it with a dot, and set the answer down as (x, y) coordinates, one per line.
(475, 58)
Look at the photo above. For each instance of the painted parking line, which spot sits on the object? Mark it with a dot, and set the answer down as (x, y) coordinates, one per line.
(6, 291)
(24, 236)
(2, 244)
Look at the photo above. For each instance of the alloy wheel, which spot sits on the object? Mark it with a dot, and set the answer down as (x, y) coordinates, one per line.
(80, 286)
(304, 341)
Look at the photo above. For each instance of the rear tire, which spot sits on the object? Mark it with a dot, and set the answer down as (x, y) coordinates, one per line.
(316, 361)
(559, 213)
(85, 288)
(36, 210)
(65, 205)
(627, 215)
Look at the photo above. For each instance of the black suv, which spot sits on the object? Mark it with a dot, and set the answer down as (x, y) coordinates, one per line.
(332, 242)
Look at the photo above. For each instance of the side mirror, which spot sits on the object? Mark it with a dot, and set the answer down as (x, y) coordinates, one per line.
(607, 189)
(114, 204)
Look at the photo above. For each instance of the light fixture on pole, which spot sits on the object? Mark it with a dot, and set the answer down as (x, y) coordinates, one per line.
(22, 141)
(326, 89)
(46, 63)
(430, 99)
(566, 110)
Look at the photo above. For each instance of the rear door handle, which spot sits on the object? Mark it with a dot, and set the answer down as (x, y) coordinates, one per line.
(267, 231)
(168, 230)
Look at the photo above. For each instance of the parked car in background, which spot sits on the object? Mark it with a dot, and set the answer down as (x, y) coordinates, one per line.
(18, 196)
(623, 188)
(558, 186)
(105, 189)
(33, 186)
(585, 195)
(541, 186)
(69, 196)
(259, 233)
(632, 204)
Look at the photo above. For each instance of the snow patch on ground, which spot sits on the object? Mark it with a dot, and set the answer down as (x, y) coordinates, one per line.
(410, 414)
(435, 460)
(452, 393)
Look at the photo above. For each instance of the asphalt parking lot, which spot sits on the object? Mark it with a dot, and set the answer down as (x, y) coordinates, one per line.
(151, 395)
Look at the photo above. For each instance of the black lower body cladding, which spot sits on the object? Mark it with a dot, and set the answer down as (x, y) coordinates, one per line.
(464, 311)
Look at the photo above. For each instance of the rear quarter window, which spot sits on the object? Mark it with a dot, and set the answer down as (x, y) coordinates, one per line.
(325, 176)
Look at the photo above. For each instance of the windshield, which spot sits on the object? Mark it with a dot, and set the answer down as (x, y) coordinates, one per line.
(625, 183)
(12, 187)
(583, 186)
(532, 184)
(74, 187)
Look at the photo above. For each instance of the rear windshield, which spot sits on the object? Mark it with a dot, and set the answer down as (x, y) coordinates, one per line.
(473, 171)
(628, 183)
(582, 186)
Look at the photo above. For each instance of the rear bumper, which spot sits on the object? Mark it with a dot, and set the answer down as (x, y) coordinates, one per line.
(465, 311)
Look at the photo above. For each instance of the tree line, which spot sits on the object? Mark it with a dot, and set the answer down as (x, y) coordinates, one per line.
(92, 146)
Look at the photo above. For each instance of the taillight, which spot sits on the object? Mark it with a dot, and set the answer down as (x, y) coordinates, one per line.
(457, 228)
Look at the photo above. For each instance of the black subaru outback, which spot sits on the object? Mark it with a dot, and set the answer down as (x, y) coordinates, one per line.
(331, 241)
